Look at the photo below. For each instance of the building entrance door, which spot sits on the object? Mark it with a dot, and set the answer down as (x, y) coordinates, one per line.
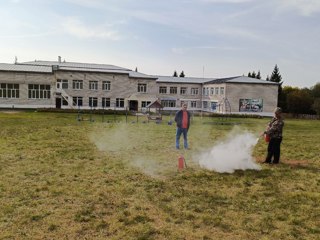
(58, 102)
(133, 105)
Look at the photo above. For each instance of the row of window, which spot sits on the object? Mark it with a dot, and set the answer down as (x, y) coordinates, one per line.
(93, 102)
(41, 91)
(78, 84)
(35, 91)
(142, 88)
(9, 90)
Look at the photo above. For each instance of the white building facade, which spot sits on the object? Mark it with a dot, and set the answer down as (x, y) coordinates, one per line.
(65, 85)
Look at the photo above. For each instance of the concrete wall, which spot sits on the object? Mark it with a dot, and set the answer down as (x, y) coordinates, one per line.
(267, 92)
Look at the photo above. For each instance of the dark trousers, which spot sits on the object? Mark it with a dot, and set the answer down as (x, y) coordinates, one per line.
(274, 150)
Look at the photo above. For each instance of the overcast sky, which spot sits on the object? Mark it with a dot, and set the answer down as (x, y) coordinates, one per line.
(203, 38)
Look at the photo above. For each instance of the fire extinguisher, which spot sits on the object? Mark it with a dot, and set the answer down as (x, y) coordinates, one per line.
(267, 137)
(181, 163)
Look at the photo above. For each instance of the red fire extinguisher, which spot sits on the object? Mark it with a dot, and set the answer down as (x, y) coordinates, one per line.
(267, 137)
(181, 163)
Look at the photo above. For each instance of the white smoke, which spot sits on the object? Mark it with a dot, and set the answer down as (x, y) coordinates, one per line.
(233, 154)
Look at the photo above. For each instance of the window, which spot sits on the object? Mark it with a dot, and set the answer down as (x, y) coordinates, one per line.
(38, 91)
(77, 84)
(222, 90)
(183, 90)
(205, 104)
(106, 85)
(142, 87)
(216, 91)
(194, 91)
(163, 90)
(93, 102)
(64, 83)
(93, 85)
(9, 90)
(173, 90)
(106, 102)
(211, 91)
(77, 101)
(168, 103)
(193, 104)
(205, 91)
(120, 102)
(145, 103)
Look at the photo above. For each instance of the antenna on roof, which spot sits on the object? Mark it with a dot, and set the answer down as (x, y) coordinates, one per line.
(15, 60)
(203, 72)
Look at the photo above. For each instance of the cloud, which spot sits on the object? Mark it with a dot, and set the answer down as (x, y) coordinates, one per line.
(75, 27)
(304, 7)
(187, 49)
(226, 1)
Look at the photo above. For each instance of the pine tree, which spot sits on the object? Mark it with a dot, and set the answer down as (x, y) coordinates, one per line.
(253, 75)
(258, 75)
(136, 69)
(182, 74)
(249, 74)
(268, 79)
(175, 74)
(276, 77)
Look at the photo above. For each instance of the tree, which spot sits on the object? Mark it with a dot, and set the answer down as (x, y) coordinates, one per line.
(268, 79)
(253, 74)
(315, 92)
(249, 74)
(182, 74)
(300, 101)
(175, 74)
(316, 106)
(258, 75)
(276, 77)
(136, 69)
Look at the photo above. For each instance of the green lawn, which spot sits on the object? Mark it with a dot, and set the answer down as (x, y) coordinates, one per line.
(118, 179)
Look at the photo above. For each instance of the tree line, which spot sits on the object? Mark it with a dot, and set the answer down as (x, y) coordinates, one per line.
(293, 99)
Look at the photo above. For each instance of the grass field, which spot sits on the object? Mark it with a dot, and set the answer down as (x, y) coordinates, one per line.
(65, 179)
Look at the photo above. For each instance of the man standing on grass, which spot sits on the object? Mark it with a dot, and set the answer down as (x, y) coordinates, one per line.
(182, 119)
(274, 130)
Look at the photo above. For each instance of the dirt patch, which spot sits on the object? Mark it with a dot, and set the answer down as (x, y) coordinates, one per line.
(293, 163)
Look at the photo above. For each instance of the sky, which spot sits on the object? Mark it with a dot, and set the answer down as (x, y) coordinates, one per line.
(203, 38)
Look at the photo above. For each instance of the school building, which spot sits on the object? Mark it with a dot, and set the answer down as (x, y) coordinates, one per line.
(61, 84)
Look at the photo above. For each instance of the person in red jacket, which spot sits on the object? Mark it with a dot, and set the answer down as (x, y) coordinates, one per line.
(182, 118)
(274, 130)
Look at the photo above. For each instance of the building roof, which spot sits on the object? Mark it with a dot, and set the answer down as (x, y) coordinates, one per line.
(49, 66)
(241, 79)
(75, 65)
(24, 68)
(171, 79)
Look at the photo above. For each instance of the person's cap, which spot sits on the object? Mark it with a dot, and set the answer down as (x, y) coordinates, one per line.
(278, 110)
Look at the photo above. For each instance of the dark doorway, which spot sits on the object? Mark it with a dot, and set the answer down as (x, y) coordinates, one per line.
(58, 102)
(133, 105)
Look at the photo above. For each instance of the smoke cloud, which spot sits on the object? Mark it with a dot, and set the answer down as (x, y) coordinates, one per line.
(235, 153)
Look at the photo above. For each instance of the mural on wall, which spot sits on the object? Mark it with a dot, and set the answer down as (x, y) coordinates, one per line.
(251, 105)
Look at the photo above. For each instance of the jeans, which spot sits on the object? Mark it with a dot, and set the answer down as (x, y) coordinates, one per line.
(183, 131)
(274, 150)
